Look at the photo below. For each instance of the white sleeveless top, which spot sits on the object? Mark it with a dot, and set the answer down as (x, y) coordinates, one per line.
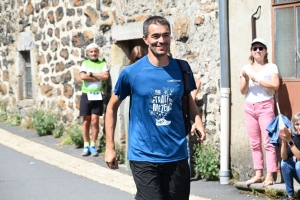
(256, 92)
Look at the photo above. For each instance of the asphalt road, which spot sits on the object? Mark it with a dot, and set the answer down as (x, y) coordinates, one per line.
(25, 178)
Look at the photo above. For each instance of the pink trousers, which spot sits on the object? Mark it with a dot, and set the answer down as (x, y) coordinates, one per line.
(258, 116)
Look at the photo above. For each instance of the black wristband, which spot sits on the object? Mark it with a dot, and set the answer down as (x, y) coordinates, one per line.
(91, 74)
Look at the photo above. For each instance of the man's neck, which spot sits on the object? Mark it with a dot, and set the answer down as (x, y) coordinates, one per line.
(158, 61)
(94, 60)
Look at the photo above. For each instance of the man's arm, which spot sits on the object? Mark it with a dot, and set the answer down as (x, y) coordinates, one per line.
(95, 77)
(286, 136)
(195, 116)
(198, 85)
(110, 124)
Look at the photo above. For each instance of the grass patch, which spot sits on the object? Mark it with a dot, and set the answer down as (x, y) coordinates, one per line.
(273, 194)
(67, 141)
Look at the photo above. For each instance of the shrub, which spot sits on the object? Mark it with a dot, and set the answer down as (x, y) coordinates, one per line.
(3, 112)
(43, 122)
(74, 132)
(13, 117)
(206, 161)
(27, 122)
(102, 144)
(120, 154)
(58, 131)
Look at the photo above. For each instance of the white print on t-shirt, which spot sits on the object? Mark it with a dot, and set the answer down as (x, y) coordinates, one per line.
(161, 105)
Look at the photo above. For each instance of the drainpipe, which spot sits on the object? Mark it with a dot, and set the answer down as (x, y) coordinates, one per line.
(253, 22)
(225, 92)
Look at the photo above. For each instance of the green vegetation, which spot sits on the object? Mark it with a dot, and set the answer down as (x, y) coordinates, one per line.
(67, 140)
(235, 177)
(254, 192)
(206, 161)
(102, 144)
(120, 154)
(74, 132)
(273, 194)
(43, 121)
(13, 117)
(27, 122)
(58, 131)
(3, 112)
(9, 116)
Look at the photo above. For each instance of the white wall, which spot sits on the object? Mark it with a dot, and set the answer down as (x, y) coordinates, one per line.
(240, 36)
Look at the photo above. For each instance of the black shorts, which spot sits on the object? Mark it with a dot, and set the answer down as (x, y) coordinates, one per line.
(90, 107)
(161, 181)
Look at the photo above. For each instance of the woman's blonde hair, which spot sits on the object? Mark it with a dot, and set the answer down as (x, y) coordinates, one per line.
(136, 53)
(251, 58)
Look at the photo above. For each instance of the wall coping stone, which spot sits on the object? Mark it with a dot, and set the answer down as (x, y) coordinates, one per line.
(25, 42)
(128, 31)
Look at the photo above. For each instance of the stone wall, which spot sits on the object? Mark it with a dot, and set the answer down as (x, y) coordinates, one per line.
(61, 29)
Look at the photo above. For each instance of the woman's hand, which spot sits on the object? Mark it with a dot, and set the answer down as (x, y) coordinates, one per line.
(244, 82)
(254, 79)
(285, 134)
(245, 75)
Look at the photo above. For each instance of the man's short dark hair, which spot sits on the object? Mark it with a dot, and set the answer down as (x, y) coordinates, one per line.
(154, 20)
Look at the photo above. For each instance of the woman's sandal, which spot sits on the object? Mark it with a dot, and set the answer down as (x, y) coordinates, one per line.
(268, 182)
(255, 179)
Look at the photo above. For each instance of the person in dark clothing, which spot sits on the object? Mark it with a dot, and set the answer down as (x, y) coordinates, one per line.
(290, 154)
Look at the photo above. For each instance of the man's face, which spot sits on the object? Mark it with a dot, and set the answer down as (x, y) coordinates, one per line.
(93, 53)
(158, 39)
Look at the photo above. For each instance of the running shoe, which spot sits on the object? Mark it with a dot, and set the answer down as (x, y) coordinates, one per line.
(93, 151)
(86, 151)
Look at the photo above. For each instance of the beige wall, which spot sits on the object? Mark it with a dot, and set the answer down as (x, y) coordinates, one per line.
(240, 36)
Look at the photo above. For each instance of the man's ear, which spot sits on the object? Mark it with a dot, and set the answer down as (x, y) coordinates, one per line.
(145, 39)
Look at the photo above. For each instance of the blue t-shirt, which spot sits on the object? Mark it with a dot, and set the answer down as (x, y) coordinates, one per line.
(156, 125)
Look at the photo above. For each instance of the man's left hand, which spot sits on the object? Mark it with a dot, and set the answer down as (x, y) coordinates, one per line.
(200, 130)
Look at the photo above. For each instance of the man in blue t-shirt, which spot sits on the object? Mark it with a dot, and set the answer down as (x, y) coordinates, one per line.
(157, 139)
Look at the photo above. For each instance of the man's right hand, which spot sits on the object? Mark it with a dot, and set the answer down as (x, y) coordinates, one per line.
(111, 159)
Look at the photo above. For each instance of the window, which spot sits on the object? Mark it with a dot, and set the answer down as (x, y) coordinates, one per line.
(285, 1)
(287, 37)
(25, 81)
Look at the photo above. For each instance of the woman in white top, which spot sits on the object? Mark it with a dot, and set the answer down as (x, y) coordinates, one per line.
(258, 82)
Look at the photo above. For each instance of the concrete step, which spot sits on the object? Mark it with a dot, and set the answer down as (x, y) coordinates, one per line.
(279, 187)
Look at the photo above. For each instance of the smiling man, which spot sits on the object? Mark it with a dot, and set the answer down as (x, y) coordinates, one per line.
(157, 138)
(92, 73)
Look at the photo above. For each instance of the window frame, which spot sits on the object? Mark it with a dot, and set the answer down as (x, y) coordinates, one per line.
(279, 6)
(27, 65)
